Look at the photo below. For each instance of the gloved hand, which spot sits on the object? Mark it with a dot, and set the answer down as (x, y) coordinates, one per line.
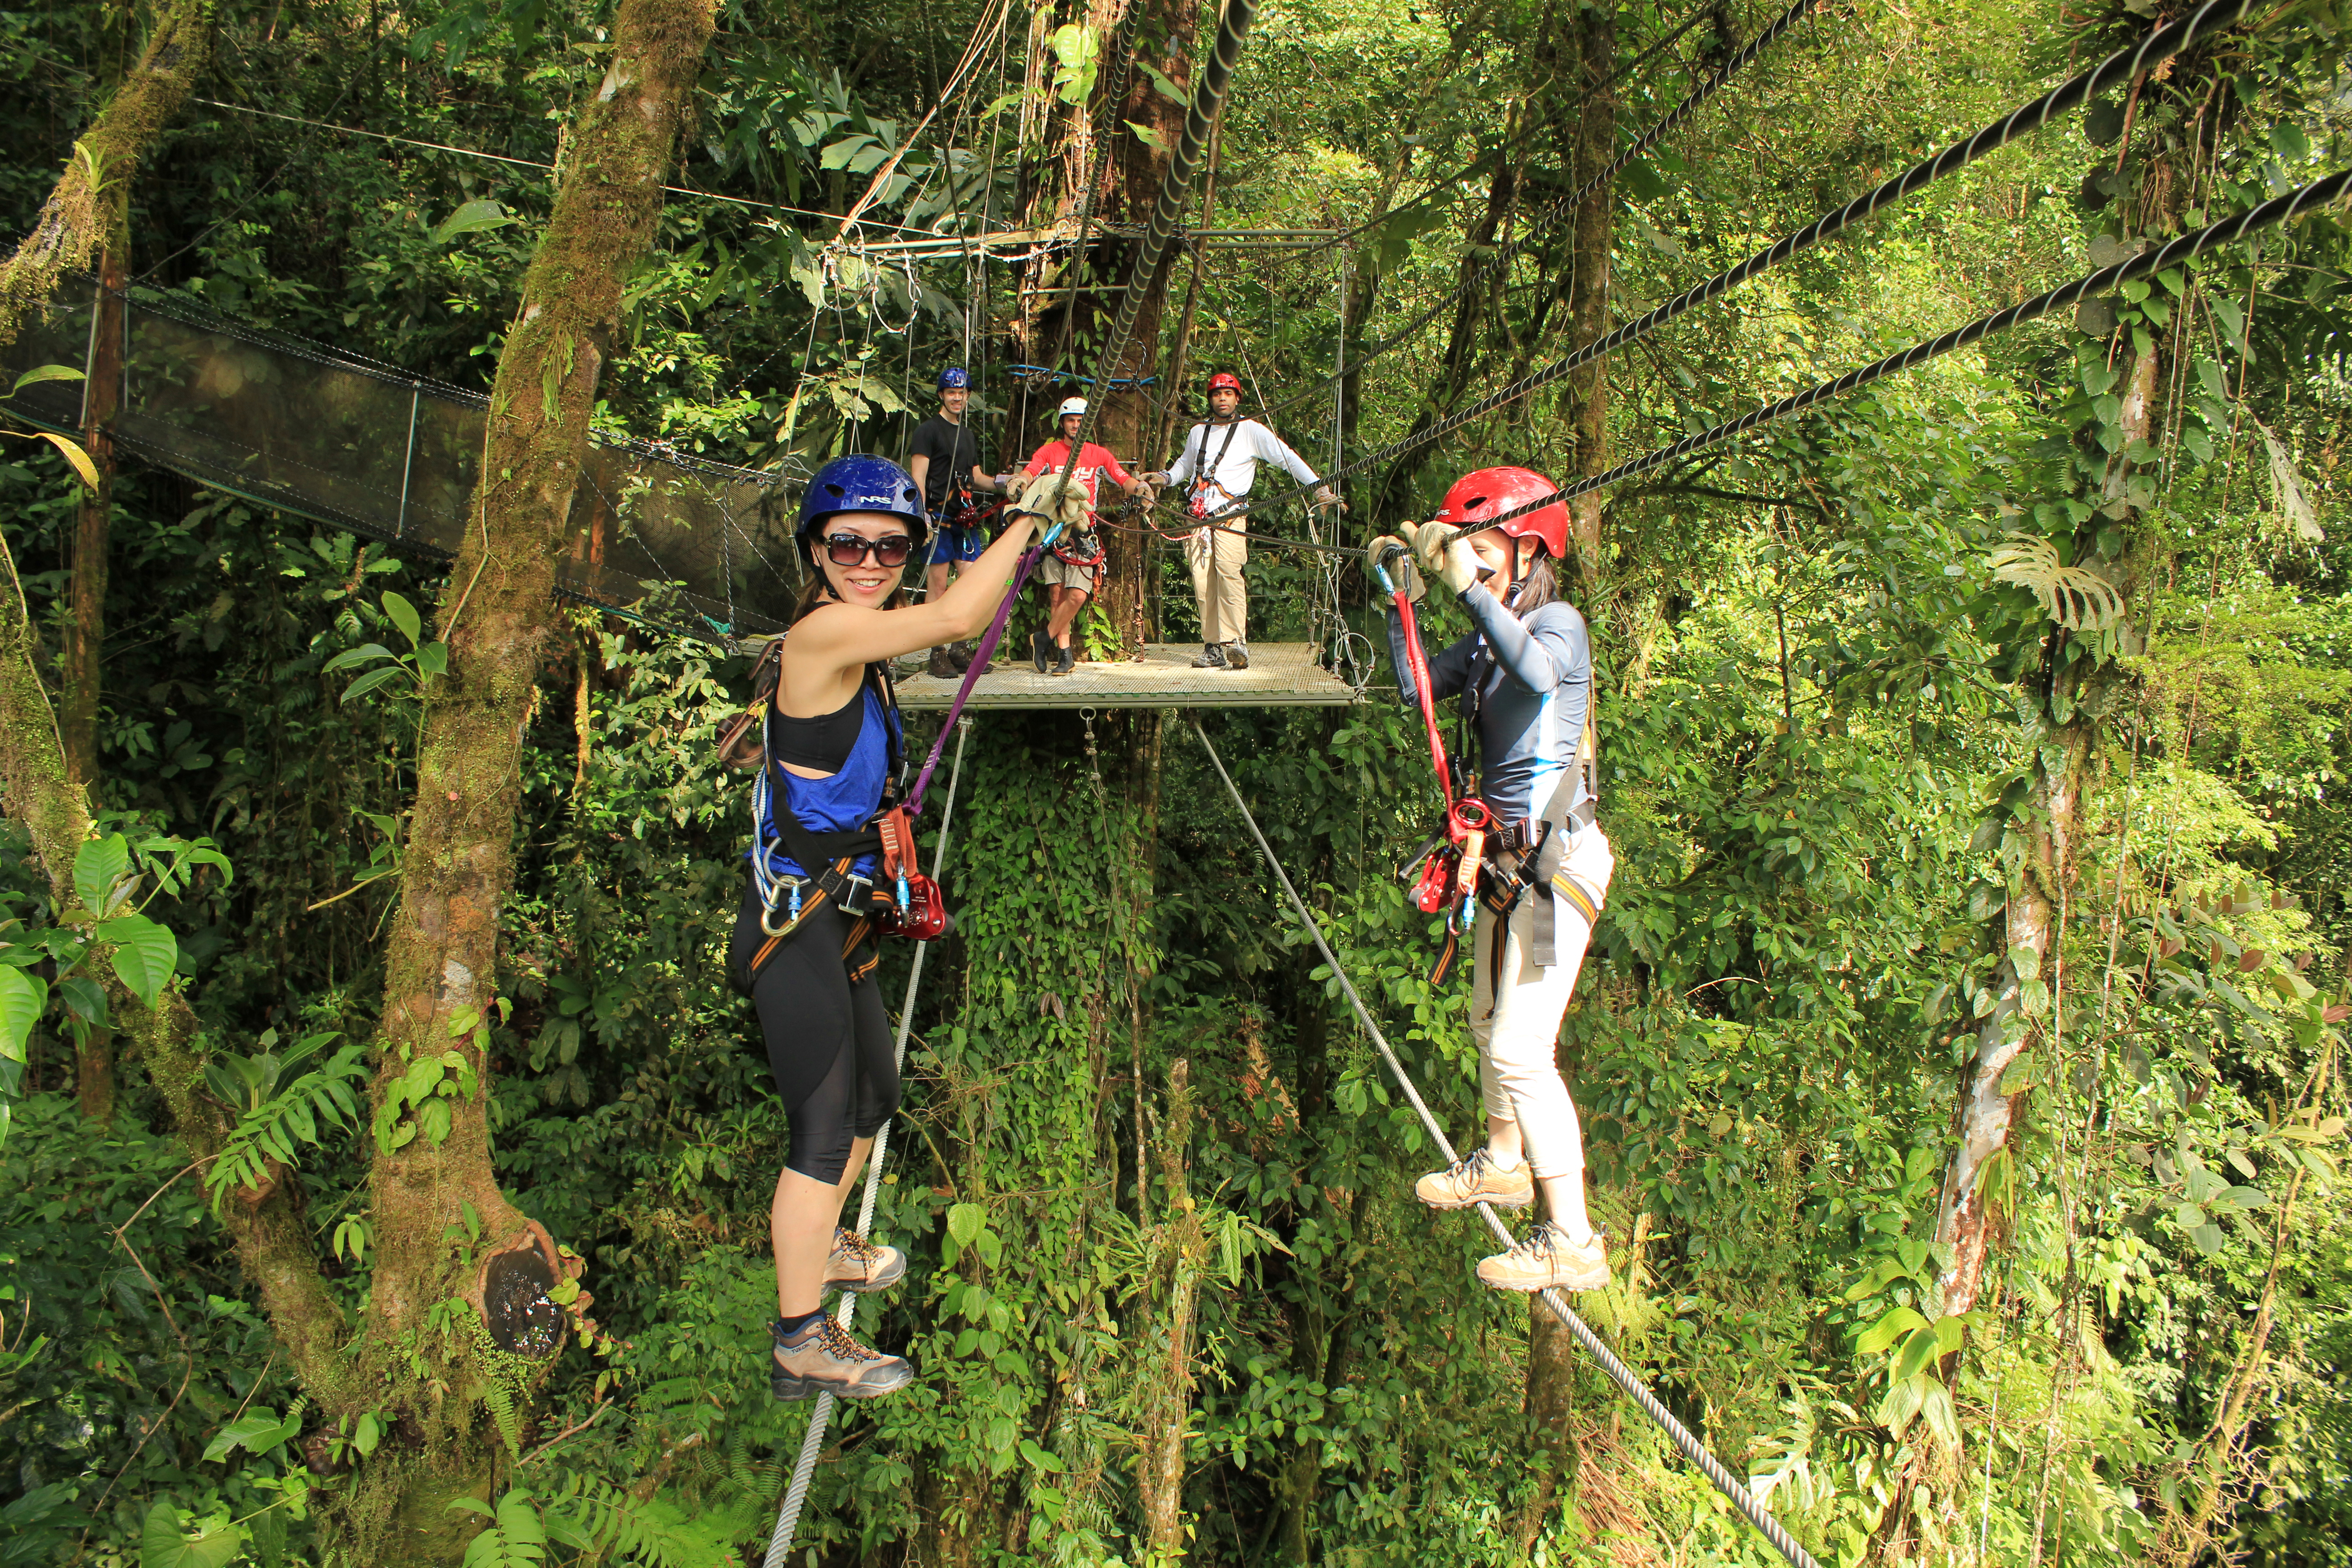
(1157, 479)
(1402, 574)
(1004, 484)
(1324, 497)
(1443, 553)
(1034, 494)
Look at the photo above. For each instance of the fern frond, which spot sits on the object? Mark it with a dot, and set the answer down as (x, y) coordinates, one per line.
(277, 1129)
(2074, 596)
(502, 1411)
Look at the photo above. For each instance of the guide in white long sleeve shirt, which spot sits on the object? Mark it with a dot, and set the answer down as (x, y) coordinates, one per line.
(1217, 467)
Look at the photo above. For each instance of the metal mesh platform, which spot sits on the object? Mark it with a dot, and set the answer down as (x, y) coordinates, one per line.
(1281, 675)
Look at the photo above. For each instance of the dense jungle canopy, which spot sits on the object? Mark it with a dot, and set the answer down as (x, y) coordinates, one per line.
(1961, 1052)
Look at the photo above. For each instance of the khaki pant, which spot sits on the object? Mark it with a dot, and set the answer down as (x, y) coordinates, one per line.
(1516, 1023)
(1216, 557)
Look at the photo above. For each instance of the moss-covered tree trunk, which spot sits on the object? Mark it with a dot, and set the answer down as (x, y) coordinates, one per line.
(433, 1167)
(74, 223)
(269, 1229)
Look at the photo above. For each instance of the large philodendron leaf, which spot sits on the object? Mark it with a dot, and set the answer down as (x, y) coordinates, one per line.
(2074, 596)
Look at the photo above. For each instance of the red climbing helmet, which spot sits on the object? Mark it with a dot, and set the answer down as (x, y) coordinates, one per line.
(1475, 498)
(1225, 381)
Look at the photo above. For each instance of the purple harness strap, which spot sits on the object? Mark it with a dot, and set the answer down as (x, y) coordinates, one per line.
(971, 676)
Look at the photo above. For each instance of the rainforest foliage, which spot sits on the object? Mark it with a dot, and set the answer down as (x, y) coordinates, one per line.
(1962, 1053)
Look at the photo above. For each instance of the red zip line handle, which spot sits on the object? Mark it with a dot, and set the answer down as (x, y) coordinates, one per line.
(1418, 663)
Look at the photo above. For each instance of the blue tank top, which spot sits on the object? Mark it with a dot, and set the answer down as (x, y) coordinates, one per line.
(843, 803)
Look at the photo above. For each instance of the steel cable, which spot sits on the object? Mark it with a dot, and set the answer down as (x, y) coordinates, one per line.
(1167, 210)
(2276, 211)
(2159, 44)
(1508, 252)
(1619, 1373)
(2187, 248)
(788, 1518)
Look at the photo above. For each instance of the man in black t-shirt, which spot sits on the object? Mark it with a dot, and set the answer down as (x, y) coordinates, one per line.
(944, 458)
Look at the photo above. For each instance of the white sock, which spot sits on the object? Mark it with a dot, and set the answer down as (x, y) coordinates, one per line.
(1502, 1161)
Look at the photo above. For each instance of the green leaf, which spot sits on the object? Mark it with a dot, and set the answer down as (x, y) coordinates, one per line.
(41, 372)
(404, 615)
(1149, 137)
(162, 1543)
(22, 998)
(965, 1222)
(367, 653)
(1918, 1353)
(471, 219)
(100, 867)
(145, 954)
(258, 1431)
(1899, 1321)
(367, 1432)
(372, 680)
(82, 466)
(433, 658)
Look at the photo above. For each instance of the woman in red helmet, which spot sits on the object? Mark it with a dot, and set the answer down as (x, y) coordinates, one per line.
(1525, 679)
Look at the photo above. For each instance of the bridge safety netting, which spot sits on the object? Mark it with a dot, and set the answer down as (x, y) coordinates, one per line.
(699, 546)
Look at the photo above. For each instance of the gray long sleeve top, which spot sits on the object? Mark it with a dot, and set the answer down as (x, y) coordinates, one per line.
(1532, 682)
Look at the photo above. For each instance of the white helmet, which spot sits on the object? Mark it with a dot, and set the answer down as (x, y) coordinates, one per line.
(1072, 405)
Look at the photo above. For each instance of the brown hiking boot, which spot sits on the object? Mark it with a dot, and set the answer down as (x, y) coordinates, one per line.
(1548, 1259)
(860, 1265)
(942, 666)
(823, 1358)
(1477, 1180)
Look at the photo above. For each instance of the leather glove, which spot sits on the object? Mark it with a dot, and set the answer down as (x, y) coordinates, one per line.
(1157, 479)
(1443, 553)
(1402, 572)
(1324, 497)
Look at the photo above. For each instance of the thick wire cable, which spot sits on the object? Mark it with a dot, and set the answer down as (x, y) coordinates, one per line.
(787, 1520)
(2278, 210)
(2120, 67)
(1167, 210)
(1619, 1373)
(2187, 248)
(1497, 264)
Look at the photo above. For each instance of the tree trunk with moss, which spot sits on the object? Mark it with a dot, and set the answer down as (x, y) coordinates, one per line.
(74, 222)
(433, 1169)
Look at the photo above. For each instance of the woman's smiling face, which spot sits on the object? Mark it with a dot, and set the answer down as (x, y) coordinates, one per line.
(868, 584)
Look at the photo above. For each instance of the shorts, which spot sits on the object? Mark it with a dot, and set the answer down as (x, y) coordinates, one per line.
(828, 1038)
(956, 546)
(1054, 571)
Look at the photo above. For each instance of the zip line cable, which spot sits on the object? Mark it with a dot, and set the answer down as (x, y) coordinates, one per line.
(1099, 130)
(788, 1521)
(1168, 211)
(2270, 213)
(1500, 262)
(1618, 1371)
(2119, 66)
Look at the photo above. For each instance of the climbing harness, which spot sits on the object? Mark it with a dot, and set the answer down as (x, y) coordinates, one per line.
(788, 1518)
(1617, 1371)
(908, 903)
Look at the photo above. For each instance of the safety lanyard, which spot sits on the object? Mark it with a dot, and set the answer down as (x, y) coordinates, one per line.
(1203, 478)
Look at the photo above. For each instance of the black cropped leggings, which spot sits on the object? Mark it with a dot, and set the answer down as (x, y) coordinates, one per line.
(828, 1038)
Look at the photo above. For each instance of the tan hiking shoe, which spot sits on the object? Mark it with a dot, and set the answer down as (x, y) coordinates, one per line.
(823, 1358)
(1477, 1180)
(1548, 1259)
(860, 1265)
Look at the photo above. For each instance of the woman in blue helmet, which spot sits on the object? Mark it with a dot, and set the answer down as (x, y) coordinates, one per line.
(832, 741)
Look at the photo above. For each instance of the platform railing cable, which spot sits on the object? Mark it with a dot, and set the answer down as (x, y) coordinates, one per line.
(788, 1518)
(1618, 1371)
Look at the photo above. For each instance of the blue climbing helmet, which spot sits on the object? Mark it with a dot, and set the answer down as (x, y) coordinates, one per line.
(861, 482)
(953, 376)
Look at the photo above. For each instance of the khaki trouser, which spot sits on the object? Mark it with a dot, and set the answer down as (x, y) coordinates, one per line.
(1216, 557)
(1514, 1017)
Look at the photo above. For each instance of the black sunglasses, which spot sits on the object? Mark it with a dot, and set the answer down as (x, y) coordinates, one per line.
(850, 549)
